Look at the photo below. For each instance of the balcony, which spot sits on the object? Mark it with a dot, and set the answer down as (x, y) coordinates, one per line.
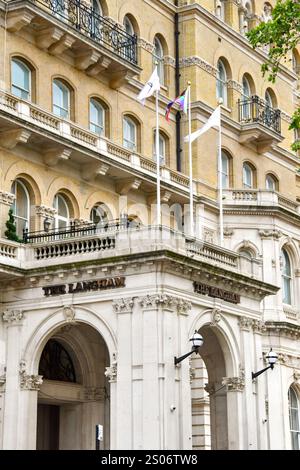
(97, 44)
(22, 123)
(260, 198)
(260, 124)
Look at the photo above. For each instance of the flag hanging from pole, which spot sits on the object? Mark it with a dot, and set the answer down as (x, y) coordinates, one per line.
(151, 86)
(214, 121)
(182, 100)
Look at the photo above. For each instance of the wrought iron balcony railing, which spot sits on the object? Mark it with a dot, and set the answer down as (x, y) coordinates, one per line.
(87, 21)
(75, 230)
(254, 109)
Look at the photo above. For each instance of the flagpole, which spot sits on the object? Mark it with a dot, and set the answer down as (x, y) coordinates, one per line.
(158, 215)
(190, 164)
(221, 223)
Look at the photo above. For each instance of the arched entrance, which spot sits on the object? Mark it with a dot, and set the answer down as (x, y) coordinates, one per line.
(209, 396)
(74, 396)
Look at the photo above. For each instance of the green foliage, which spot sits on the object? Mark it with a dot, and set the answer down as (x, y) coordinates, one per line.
(11, 232)
(281, 35)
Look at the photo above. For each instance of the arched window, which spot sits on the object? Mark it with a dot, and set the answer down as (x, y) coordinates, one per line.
(296, 61)
(294, 419)
(246, 253)
(225, 170)
(248, 17)
(129, 134)
(97, 117)
(162, 148)
(128, 26)
(20, 79)
(21, 206)
(269, 99)
(61, 99)
(62, 216)
(267, 12)
(56, 363)
(246, 107)
(96, 6)
(127, 50)
(222, 82)
(158, 55)
(100, 214)
(248, 177)
(271, 183)
(286, 278)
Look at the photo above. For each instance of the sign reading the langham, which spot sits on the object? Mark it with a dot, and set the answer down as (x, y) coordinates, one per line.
(216, 292)
(84, 286)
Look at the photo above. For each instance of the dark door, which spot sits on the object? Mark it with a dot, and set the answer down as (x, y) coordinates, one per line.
(47, 427)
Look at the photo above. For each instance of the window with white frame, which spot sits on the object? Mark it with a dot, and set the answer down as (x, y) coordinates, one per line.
(158, 56)
(62, 216)
(20, 79)
(269, 99)
(97, 117)
(286, 275)
(225, 170)
(127, 49)
(222, 82)
(61, 99)
(162, 148)
(21, 207)
(247, 176)
(99, 214)
(271, 183)
(294, 419)
(246, 99)
(129, 134)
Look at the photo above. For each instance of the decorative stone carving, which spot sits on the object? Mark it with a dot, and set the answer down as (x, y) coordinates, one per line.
(11, 316)
(144, 44)
(245, 323)
(169, 60)
(208, 235)
(94, 393)
(210, 388)
(276, 234)
(234, 384)
(259, 326)
(296, 376)
(29, 382)
(228, 232)
(123, 305)
(111, 372)
(7, 198)
(195, 60)
(166, 301)
(183, 306)
(46, 212)
(215, 316)
(288, 330)
(69, 313)
(192, 370)
(234, 85)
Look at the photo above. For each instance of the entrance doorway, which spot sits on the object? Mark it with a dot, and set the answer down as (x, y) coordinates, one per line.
(75, 394)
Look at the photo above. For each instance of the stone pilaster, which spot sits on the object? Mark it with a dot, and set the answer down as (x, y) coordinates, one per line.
(6, 201)
(43, 213)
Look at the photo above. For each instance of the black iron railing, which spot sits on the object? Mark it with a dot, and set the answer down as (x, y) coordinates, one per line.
(87, 21)
(78, 231)
(254, 109)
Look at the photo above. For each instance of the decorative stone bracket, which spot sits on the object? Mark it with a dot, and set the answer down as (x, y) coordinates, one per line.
(29, 382)
(166, 301)
(111, 372)
(123, 305)
(234, 384)
(11, 316)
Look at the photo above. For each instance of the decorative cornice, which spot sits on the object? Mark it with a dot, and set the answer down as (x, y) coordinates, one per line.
(169, 60)
(112, 372)
(286, 329)
(11, 316)
(195, 60)
(259, 326)
(291, 312)
(286, 117)
(124, 305)
(46, 212)
(29, 382)
(7, 198)
(234, 85)
(144, 44)
(245, 323)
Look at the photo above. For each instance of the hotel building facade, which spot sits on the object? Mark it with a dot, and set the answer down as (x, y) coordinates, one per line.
(96, 298)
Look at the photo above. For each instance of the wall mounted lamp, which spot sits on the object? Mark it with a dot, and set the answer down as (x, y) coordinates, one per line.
(272, 358)
(197, 341)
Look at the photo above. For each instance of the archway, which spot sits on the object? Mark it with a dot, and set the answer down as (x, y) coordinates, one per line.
(75, 393)
(209, 396)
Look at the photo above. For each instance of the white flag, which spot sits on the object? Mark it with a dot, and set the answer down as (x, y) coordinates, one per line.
(151, 86)
(214, 121)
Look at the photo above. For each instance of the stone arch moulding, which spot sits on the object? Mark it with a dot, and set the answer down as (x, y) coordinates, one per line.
(292, 249)
(46, 329)
(247, 244)
(27, 172)
(226, 337)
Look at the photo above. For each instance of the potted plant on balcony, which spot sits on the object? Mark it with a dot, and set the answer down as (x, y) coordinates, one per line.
(11, 232)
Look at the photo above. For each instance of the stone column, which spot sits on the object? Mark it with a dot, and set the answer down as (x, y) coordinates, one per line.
(6, 200)
(247, 354)
(275, 388)
(235, 417)
(111, 373)
(13, 320)
(123, 410)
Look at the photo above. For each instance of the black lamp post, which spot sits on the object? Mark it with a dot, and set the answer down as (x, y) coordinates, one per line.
(197, 341)
(272, 358)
